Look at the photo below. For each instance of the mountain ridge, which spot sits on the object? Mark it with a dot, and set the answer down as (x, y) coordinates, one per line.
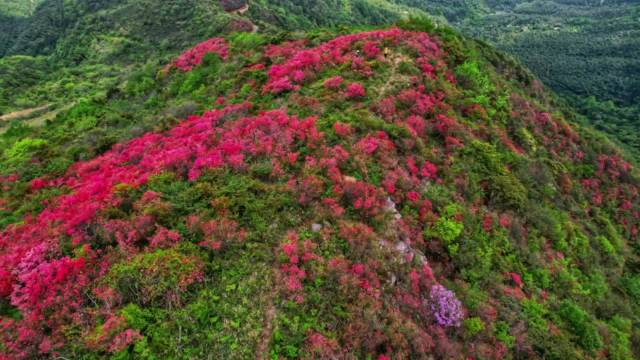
(554, 38)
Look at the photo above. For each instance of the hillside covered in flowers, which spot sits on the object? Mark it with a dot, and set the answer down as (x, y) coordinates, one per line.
(393, 193)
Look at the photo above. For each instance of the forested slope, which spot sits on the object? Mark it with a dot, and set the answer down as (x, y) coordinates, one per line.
(584, 50)
(399, 192)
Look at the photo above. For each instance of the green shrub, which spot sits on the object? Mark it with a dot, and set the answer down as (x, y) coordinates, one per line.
(157, 278)
(581, 325)
(407, 68)
(502, 333)
(619, 346)
(542, 277)
(474, 296)
(23, 151)
(631, 285)
(597, 287)
(606, 246)
(507, 191)
(201, 75)
(472, 77)
(535, 315)
(550, 223)
(447, 229)
(525, 139)
(473, 326)
(247, 41)
(136, 317)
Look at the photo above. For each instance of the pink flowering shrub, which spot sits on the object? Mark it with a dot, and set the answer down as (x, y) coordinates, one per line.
(37, 184)
(50, 295)
(164, 238)
(292, 267)
(334, 52)
(370, 49)
(355, 90)
(193, 57)
(342, 129)
(219, 232)
(333, 82)
(114, 336)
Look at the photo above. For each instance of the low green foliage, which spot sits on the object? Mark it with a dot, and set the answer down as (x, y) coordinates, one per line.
(502, 333)
(447, 229)
(473, 326)
(21, 152)
(157, 278)
(581, 325)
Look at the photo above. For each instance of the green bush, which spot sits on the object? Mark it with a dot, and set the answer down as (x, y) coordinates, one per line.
(631, 285)
(507, 191)
(606, 246)
(473, 326)
(247, 41)
(201, 75)
(472, 77)
(447, 229)
(136, 317)
(535, 315)
(581, 326)
(619, 346)
(21, 152)
(157, 278)
(502, 333)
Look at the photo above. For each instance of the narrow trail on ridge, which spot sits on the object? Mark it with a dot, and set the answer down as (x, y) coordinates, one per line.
(23, 113)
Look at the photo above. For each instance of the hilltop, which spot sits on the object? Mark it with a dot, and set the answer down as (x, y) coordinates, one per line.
(382, 193)
(67, 50)
(583, 50)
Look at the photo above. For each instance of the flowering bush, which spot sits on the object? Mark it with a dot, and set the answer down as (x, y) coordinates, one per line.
(337, 51)
(220, 232)
(193, 57)
(355, 90)
(333, 83)
(445, 307)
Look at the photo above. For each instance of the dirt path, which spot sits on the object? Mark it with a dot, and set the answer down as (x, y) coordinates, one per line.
(23, 113)
(396, 59)
(262, 350)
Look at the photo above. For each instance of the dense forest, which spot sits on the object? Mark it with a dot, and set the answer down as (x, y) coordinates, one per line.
(584, 50)
(316, 179)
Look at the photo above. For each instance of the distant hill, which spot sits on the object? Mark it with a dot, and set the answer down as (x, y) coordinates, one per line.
(149, 21)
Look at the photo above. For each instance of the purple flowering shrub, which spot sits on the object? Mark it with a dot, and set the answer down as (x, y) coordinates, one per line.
(445, 307)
